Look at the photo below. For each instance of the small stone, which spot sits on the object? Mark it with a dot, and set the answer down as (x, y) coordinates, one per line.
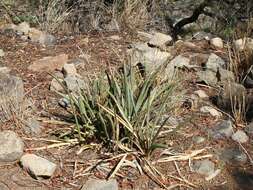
(33, 126)
(201, 35)
(47, 39)
(222, 129)
(74, 83)
(115, 37)
(69, 70)
(49, 64)
(95, 184)
(214, 62)
(198, 139)
(233, 156)
(210, 110)
(160, 40)
(201, 94)
(240, 136)
(217, 42)
(37, 167)
(64, 102)
(34, 34)
(11, 146)
(208, 77)
(23, 28)
(203, 167)
(56, 86)
(1, 52)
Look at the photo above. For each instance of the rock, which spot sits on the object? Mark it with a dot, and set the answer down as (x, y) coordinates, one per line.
(144, 35)
(201, 93)
(243, 44)
(217, 42)
(11, 95)
(64, 102)
(214, 62)
(74, 83)
(203, 167)
(11, 146)
(208, 77)
(34, 35)
(202, 36)
(69, 70)
(37, 167)
(33, 126)
(198, 139)
(79, 62)
(232, 92)
(249, 128)
(23, 28)
(178, 62)
(226, 75)
(1, 52)
(115, 37)
(149, 58)
(47, 39)
(160, 40)
(240, 136)
(95, 184)
(210, 110)
(222, 129)
(5, 70)
(233, 156)
(56, 86)
(49, 64)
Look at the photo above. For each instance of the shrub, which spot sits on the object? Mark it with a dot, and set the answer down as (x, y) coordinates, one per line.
(125, 110)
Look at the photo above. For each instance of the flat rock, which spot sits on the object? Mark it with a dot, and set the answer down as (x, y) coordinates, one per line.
(240, 136)
(208, 77)
(212, 111)
(23, 28)
(233, 156)
(214, 62)
(37, 167)
(74, 83)
(160, 40)
(203, 167)
(11, 146)
(49, 64)
(201, 94)
(149, 58)
(33, 126)
(11, 95)
(222, 129)
(96, 184)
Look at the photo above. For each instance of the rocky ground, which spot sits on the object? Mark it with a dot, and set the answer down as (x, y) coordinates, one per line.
(211, 149)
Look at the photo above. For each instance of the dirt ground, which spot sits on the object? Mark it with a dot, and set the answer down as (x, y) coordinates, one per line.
(104, 52)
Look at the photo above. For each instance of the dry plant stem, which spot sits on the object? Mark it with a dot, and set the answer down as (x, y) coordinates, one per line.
(182, 177)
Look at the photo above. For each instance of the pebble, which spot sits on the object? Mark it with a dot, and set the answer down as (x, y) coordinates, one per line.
(240, 136)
